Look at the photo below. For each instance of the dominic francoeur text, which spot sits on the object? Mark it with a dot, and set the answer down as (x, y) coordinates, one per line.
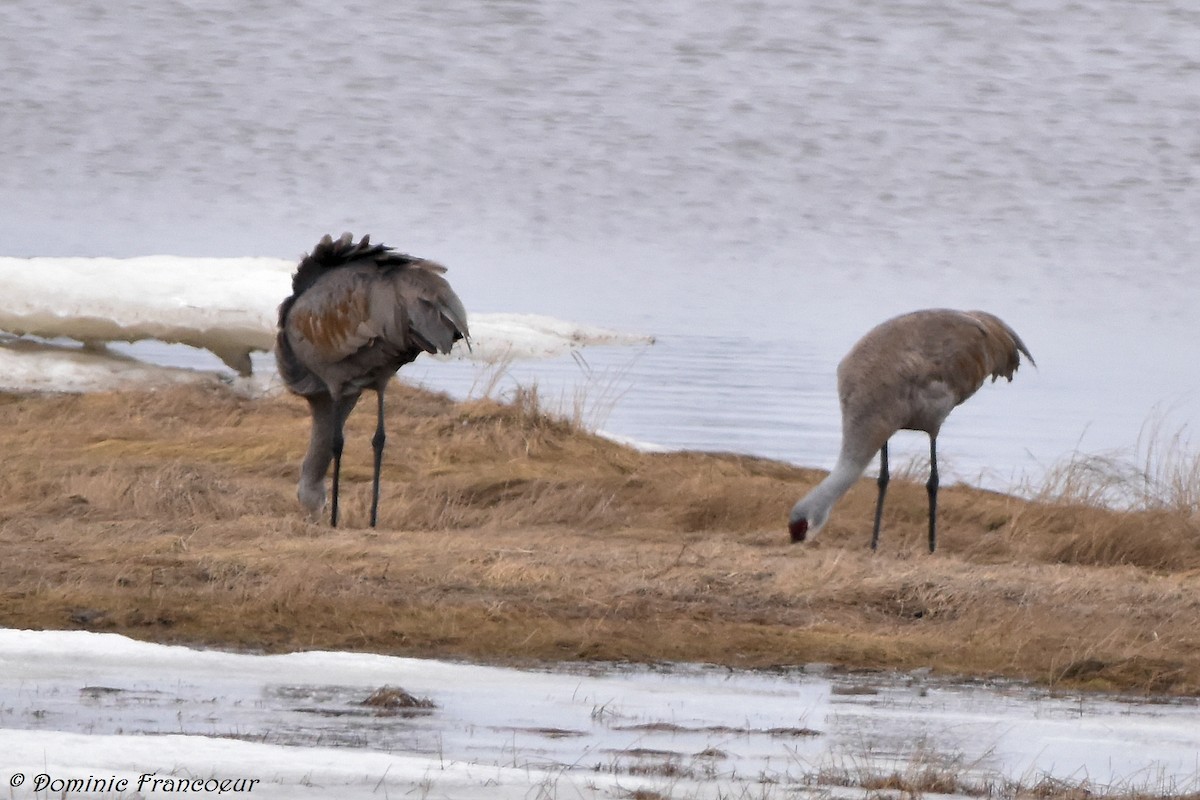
(147, 783)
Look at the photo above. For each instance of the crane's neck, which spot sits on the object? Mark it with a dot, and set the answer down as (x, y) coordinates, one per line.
(311, 490)
(816, 505)
(325, 443)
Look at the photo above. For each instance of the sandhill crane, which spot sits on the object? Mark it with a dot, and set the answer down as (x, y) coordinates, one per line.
(907, 373)
(357, 313)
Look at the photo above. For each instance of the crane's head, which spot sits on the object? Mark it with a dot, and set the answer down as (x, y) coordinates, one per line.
(312, 496)
(798, 528)
(806, 520)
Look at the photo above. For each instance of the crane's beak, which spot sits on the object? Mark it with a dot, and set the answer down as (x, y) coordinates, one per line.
(798, 529)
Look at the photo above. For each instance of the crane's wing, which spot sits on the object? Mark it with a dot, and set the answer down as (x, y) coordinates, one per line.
(332, 319)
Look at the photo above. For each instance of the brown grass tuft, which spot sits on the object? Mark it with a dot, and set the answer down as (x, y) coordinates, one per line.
(393, 697)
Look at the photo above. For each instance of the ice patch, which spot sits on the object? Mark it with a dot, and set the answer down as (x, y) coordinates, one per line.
(227, 306)
(30, 366)
(526, 336)
(636, 444)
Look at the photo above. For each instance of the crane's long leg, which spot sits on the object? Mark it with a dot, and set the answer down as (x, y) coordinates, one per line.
(341, 410)
(882, 483)
(932, 488)
(377, 443)
(338, 442)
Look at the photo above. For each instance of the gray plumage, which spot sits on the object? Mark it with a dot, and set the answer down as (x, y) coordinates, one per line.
(357, 313)
(907, 373)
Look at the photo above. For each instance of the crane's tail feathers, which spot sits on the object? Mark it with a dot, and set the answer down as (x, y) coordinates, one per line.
(436, 316)
(1014, 347)
(1021, 346)
(1002, 344)
(434, 326)
(332, 253)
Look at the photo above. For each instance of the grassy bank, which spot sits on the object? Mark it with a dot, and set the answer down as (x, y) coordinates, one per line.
(507, 535)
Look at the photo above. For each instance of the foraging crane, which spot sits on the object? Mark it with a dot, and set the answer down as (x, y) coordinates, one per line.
(357, 313)
(907, 373)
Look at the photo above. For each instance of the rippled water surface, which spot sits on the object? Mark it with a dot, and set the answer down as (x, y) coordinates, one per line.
(755, 182)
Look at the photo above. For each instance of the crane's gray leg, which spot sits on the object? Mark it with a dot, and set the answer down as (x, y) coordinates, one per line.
(336, 448)
(377, 443)
(882, 483)
(341, 410)
(932, 488)
(311, 491)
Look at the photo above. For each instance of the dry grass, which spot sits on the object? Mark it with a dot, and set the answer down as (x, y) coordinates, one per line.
(1159, 484)
(930, 774)
(508, 535)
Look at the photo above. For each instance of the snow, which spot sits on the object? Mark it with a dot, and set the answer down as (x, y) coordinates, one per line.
(85, 705)
(228, 306)
(225, 305)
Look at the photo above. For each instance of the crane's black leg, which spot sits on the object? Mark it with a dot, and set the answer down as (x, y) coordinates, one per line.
(338, 442)
(882, 483)
(341, 410)
(377, 443)
(932, 488)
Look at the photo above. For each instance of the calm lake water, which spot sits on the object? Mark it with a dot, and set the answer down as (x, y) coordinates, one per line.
(755, 182)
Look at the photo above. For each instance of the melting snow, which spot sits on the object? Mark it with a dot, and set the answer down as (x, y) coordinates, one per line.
(80, 705)
(227, 306)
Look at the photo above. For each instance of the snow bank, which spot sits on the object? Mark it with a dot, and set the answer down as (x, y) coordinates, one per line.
(227, 306)
(525, 336)
(224, 305)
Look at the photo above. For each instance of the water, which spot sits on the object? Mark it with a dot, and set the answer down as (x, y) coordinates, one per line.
(716, 732)
(756, 183)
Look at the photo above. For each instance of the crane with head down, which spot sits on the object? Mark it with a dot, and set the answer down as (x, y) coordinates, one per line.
(357, 313)
(907, 373)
